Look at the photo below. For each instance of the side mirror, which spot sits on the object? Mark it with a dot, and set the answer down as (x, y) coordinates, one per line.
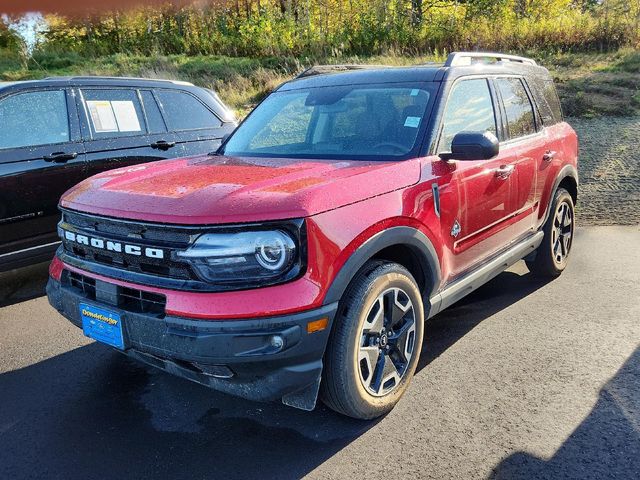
(472, 146)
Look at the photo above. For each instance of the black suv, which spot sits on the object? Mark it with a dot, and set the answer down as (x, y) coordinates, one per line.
(58, 131)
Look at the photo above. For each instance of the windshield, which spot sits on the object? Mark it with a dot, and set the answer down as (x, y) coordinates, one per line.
(347, 122)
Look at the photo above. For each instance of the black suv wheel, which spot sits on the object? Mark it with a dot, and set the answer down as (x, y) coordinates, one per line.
(375, 345)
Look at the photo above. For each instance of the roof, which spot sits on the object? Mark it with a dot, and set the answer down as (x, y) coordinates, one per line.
(457, 64)
(97, 81)
(328, 76)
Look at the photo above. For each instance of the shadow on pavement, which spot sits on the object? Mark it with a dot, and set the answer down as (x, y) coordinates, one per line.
(23, 284)
(93, 413)
(448, 327)
(605, 445)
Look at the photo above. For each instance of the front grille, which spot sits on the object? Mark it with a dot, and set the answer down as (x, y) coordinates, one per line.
(144, 235)
(124, 298)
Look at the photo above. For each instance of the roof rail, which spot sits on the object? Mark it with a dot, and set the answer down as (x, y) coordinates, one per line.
(458, 59)
(103, 77)
(323, 69)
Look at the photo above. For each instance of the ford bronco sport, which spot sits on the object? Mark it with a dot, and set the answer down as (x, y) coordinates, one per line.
(303, 256)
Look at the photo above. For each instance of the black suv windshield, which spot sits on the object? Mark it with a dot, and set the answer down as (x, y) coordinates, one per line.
(349, 122)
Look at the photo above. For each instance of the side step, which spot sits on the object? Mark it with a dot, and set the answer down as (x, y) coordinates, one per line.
(478, 277)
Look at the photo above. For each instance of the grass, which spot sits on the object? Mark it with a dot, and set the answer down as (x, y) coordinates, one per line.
(595, 85)
(589, 84)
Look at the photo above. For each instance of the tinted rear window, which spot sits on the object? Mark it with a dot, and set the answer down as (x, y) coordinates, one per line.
(546, 99)
(185, 112)
(114, 113)
(154, 117)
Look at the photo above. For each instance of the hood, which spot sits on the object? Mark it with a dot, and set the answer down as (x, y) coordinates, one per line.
(218, 189)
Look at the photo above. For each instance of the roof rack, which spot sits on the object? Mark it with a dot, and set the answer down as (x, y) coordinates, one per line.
(459, 59)
(323, 69)
(101, 77)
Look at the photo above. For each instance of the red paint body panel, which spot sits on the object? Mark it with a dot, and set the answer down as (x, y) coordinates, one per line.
(214, 189)
(344, 204)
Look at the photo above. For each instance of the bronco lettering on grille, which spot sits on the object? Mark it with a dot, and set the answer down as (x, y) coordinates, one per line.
(112, 246)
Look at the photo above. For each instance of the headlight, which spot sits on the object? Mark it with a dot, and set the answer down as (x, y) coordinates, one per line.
(245, 257)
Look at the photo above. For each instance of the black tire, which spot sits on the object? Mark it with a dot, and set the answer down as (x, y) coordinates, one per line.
(552, 255)
(348, 385)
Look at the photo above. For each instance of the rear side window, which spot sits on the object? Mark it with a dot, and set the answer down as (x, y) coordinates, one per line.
(547, 100)
(185, 112)
(469, 108)
(517, 106)
(114, 113)
(154, 117)
(34, 118)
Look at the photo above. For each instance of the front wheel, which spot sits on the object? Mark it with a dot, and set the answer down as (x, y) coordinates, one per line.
(553, 253)
(374, 347)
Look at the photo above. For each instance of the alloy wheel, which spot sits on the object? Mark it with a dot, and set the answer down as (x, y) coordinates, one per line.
(562, 233)
(387, 342)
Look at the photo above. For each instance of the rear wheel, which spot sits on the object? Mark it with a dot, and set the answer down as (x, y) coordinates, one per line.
(553, 253)
(375, 344)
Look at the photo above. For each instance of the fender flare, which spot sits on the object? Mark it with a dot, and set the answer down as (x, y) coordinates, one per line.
(406, 236)
(566, 171)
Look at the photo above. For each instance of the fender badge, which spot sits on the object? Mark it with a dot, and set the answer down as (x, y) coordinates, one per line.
(456, 229)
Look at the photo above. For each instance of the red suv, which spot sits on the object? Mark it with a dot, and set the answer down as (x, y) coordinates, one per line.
(305, 255)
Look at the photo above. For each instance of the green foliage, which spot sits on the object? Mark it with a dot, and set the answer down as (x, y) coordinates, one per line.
(264, 28)
(589, 84)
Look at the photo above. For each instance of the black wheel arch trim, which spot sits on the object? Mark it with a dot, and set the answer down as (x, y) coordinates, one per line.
(401, 236)
(566, 171)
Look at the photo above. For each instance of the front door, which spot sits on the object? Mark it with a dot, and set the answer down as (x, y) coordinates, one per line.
(476, 197)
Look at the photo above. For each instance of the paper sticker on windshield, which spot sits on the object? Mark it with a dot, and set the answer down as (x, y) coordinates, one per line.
(412, 122)
(126, 116)
(414, 92)
(102, 116)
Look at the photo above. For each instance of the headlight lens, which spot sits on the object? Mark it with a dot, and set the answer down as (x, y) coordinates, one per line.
(242, 257)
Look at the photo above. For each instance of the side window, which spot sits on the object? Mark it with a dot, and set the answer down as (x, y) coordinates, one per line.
(469, 108)
(517, 107)
(151, 109)
(185, 112)
(114, 113)
(551, 96)
(34, 118)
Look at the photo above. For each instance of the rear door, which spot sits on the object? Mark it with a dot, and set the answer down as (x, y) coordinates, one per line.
(41, 156)
(119, 131)
(477, 200)
(198, 128)
(523, 131)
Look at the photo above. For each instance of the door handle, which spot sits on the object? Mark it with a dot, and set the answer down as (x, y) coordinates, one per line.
(504, 171)
(60, 157)
(548, 155)
(163, 145)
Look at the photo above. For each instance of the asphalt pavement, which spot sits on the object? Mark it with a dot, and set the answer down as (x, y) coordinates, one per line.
(522, 379)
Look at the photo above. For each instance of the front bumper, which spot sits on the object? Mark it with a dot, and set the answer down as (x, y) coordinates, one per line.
(233, 356)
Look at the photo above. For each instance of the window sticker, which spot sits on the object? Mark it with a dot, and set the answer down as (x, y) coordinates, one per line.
(412, 122)
(414, 92)
(102, 116)
(126, 116)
